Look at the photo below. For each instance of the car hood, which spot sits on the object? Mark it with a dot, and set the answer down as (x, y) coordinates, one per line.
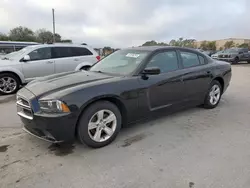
(56, 82)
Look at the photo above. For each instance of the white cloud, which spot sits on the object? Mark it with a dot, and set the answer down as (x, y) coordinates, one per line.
(121, 23)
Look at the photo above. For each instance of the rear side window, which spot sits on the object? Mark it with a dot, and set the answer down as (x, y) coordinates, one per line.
(189, 59)
(202, 60)
(61, 52)
(77, 51)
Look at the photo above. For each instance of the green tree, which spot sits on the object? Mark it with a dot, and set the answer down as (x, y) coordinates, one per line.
(229, 44)
(244, 45)
(22, 34)
(150, 43)
(204, 45)
(220, 48)
(58, 37)
(44, 36)
(211, 45)
(66, 41)
(3, 37)
(183, 42)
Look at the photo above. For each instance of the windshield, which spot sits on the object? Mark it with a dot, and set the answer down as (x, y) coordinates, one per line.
(122, 62)
(16, 54)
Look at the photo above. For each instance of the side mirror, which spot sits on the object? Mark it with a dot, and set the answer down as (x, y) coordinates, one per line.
(151, 71)
(26, 58)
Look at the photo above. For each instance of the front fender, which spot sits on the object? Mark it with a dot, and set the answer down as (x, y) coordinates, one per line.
(82, 65)
(15, 71)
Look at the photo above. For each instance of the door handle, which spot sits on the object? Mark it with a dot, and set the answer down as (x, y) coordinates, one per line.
(76, 59)
(50, 61)
(208, 72)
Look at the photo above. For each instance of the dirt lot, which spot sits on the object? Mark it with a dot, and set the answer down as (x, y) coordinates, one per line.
(193, 148)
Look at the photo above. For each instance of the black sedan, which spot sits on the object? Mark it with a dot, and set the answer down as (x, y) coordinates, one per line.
(126, 86)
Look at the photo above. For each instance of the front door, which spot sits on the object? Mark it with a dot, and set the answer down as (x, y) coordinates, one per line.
(40, 64)
(165, 89)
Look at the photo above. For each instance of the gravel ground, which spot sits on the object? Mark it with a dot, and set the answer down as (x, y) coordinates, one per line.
(195, 148)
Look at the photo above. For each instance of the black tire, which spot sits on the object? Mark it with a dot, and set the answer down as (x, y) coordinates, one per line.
(207, 102)
(82, 127)
(248, 61)
(14, 78)
(236, 60)
(86, 68)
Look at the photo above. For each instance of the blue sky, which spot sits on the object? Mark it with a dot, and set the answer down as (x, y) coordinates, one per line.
(122, 23)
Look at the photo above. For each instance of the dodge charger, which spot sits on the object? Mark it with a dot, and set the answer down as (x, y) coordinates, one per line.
(124, 87)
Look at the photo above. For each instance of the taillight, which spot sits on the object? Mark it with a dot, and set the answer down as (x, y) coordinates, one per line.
(98, 58)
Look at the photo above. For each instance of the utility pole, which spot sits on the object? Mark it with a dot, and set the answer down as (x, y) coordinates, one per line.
(54, 28)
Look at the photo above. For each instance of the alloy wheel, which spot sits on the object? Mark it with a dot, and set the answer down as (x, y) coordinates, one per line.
(7, 85)
(214, 94)
(102, 125)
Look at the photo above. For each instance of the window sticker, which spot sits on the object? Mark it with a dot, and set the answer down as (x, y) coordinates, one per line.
(133, 55)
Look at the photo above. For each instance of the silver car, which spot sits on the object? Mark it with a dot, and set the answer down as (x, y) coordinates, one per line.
(21, 67)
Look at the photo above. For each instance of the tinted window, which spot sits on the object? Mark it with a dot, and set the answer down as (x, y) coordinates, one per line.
(166, 61)
(60, 52)
(40, 54)
(202, 60)
(189, 59)
(77, 51)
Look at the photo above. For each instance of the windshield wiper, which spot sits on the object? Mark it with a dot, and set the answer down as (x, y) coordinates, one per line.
(5, 58)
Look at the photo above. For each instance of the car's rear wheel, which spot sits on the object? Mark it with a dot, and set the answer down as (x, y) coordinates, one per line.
(99, 124)
(213, 96)
(9, 84)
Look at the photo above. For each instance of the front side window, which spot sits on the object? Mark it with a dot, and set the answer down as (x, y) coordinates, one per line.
(121, 62)
(165, 61)
(189, 59)
(40, 54)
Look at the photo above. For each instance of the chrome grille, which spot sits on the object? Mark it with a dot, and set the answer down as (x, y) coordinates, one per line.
(24, 108)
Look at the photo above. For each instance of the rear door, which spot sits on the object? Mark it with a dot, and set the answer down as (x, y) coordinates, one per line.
(197, 74)
(64, 60)
(167, 88)
(82, 54)
(40, 64)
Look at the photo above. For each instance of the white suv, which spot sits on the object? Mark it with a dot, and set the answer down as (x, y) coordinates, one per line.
(20, 67)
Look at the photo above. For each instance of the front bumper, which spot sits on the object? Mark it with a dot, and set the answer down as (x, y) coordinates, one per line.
(225, 59)
(50, 127)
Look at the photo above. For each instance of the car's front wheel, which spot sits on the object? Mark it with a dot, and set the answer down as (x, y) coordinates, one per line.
(236, 60)
(213, 95)
(99, 124)
(9, 83)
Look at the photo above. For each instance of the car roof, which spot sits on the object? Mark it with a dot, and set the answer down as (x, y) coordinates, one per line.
(154, 48)
(62, 45)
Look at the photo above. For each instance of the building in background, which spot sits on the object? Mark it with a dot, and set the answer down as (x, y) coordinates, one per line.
(220, 44)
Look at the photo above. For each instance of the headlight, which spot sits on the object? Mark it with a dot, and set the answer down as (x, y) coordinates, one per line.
(53, 106)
